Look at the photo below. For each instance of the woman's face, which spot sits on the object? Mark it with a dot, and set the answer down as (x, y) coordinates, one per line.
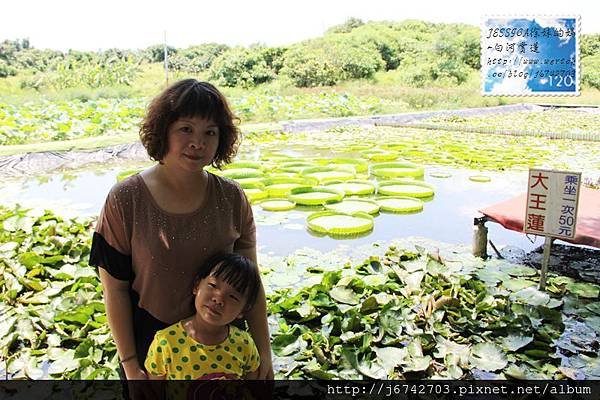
(193, 143)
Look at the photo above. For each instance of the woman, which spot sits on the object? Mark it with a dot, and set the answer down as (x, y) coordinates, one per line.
(158, 226)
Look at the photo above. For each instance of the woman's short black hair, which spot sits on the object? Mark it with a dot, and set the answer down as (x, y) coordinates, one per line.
(190, 98)
(238, 271)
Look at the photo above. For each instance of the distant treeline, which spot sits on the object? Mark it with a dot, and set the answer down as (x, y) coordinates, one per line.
(421, 52)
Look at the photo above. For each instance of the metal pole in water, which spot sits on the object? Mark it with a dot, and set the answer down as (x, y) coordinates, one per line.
(480, 232)
(545, 262)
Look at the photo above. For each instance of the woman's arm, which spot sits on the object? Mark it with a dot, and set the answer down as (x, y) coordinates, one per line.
(251, 375)
(118, 311)
(259, 328)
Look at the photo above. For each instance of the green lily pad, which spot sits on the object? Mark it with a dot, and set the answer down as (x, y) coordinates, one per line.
(585, 290)
(351, 206)
(406, 187)
(399, 204)
(491, 276)
(126, 174)
(344, 295)
(65, 363)
(277, 205)
(515, 285)
(241, 173)
(284, 345)
(328, 174)
(390, 357)
(254, 194)
(594, 307)
(440, 174)
(514, 343)
(532, 296)
(513, 371)
(319, 195)
(334, 223)
(520, 270)
(396, 169)
(488, 357)
(479, 178)
(353, 187)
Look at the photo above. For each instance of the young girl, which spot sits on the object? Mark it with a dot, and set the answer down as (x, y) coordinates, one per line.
(206, 345)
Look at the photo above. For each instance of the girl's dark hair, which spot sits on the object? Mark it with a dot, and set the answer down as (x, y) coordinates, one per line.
(189, 98)
(238, 271)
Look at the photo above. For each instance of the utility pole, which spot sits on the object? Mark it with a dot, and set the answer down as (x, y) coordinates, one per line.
(166, 60)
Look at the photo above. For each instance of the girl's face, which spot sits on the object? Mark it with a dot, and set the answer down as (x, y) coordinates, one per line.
(192, 143)
(217, 302)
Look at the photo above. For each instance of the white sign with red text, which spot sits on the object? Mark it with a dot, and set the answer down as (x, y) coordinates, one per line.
(552, 198)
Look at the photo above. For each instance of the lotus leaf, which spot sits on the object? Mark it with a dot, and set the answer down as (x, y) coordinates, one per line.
(488, 357)
(514, 343)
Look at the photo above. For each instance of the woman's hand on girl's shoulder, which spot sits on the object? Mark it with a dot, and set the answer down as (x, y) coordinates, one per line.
(251, 375)
(265, 369)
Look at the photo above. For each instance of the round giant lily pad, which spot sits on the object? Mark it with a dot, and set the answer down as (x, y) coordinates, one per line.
(358, 164)
(244, 164)
(126, 174)
(254, 191)
(399, 204)
(396, 169)
(480, 178)
(353, 187)
(405, 187)
(351, 206)
(328, 174)
(255, 194)
(249, 181)
(440, 174)
(236, 173)
(333, 223)
(277, 205)
(295, 166)
(380, 155)
(315, 196)
(281, 187)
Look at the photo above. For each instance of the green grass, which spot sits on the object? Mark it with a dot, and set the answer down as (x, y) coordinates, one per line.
(386, 85)
(384, 93)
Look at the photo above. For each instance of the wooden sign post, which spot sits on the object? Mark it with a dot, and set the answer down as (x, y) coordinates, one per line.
(552, 199)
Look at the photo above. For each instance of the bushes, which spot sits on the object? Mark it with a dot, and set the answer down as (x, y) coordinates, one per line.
(196, 59)
(156, 53)
(590, 60)
(346, 27)
(246, 67)
(6, 70)
(384, 38)
(590, 71)
(590, 45)
(110, 72)
(330, 60)
(422, 52)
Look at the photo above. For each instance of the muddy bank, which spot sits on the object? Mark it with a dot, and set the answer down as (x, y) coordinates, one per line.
(44, 162)
(580, 263)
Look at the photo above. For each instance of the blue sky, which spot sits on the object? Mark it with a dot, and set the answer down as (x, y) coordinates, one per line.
(95, 24)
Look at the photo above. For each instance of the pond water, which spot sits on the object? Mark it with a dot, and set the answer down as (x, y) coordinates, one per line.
(448, 217)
